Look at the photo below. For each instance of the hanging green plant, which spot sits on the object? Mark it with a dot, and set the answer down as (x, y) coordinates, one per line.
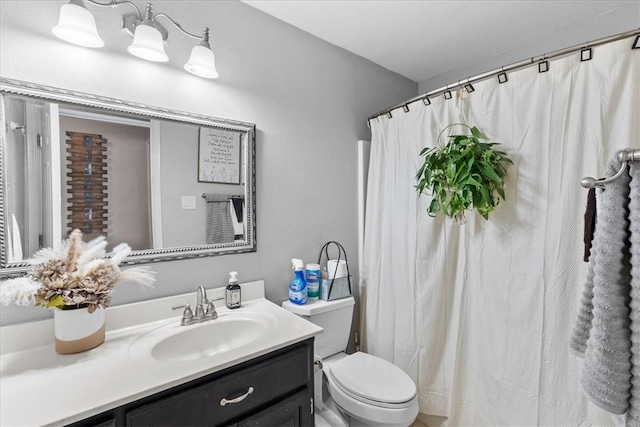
(464, 174)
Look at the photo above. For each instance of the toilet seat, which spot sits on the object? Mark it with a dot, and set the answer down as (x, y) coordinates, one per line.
(373, 381)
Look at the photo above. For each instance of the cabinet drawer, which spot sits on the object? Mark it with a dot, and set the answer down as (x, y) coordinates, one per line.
(269, 379)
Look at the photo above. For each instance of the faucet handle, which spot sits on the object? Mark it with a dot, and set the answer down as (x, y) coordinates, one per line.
(211, 310)
(200, 310)
(188, 314)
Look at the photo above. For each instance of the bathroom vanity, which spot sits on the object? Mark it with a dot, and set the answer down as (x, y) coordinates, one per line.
(271, 390)
(152, 371)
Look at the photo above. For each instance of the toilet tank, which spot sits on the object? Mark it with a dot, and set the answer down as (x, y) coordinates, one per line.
(334, 317)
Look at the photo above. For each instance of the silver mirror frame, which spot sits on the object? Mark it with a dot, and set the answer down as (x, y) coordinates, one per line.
(47, 93)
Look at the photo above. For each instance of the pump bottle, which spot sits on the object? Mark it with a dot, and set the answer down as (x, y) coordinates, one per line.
(232, 292)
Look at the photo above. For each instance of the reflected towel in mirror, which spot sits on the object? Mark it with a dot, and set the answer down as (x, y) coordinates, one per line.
(219, 226)
(225, 218)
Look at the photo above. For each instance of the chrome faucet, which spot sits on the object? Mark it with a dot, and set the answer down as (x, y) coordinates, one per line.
(201, 295)
(201, 300)
(205, 310)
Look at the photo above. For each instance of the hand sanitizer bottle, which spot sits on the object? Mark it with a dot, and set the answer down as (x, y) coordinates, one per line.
(233, 297)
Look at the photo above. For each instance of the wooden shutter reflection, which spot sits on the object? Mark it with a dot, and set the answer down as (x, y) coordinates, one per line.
(87, 183)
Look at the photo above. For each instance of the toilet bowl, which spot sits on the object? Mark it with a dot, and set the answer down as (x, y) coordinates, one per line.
(370, 391)
(358, 389)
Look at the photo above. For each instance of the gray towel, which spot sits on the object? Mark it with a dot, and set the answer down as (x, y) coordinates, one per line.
(219, 228)
(580, 336)
(633, 415)
(608, 321)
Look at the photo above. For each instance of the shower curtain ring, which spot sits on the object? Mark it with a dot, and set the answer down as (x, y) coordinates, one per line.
(469, 87)
(502, 77)
(447, 92)
(586, 53)
(543, 66)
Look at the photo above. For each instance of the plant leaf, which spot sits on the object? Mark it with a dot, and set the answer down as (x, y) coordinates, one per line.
(490, 173)
(471, 181)
(485, 196)
(451, 172)
(434, 207)
(56, 301)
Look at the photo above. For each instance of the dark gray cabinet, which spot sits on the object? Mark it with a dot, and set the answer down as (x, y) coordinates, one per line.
(272, 390)
(294, 411)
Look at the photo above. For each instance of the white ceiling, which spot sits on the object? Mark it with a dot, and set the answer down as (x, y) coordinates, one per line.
(422, 40)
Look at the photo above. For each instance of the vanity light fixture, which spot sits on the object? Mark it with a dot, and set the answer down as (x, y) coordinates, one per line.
(202, 61)
(147, 40)
(77, 25)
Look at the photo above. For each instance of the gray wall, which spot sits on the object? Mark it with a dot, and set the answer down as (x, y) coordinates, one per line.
(179, 170)
(309, 100)
(626, 18)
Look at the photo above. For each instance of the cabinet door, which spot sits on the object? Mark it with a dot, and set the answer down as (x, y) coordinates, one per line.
(292, 412)
(230, 397)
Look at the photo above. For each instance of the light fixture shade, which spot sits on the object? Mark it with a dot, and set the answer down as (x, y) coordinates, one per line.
(78, 26)
(148, 44)
(202, 62)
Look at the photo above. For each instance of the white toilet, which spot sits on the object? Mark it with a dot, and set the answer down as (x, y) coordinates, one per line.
(357, 389)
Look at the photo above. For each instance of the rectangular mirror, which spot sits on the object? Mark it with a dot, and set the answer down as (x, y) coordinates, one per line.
(171, 184)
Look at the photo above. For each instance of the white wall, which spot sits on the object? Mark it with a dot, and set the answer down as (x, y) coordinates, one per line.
(309, 100)
(626, 18)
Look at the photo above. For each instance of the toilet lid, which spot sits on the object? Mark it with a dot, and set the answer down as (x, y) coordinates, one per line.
(374, 379)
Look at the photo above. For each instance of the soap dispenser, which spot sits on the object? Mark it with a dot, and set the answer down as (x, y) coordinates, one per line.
(233, 297)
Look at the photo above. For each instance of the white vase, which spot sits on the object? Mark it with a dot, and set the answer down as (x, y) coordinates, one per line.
(78, 330)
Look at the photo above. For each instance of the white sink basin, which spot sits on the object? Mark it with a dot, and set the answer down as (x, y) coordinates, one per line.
(230, 331)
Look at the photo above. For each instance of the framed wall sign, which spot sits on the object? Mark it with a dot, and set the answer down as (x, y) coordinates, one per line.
(219, 156)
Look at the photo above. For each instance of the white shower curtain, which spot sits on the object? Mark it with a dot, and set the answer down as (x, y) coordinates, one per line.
(480, 315)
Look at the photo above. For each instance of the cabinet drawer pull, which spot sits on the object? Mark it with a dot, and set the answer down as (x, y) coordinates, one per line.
(238, 399)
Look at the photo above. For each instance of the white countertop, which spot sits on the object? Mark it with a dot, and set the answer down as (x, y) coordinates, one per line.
(40, 387)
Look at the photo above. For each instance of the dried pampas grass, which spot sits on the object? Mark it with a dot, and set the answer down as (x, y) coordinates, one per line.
(74, 274)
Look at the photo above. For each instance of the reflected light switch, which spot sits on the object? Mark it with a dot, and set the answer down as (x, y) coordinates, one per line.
(188, 202)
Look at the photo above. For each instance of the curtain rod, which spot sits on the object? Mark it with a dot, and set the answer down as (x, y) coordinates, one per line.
(516, 65)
